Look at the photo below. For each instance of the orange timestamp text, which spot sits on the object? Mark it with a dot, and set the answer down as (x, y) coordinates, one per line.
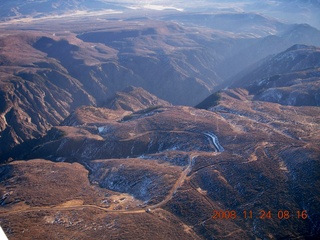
(261, 214)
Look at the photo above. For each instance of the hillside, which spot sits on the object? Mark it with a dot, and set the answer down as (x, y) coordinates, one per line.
(41, 83)
(45, 75)
(167, 158)
(290, 77)
(134, 99)
(244, 57)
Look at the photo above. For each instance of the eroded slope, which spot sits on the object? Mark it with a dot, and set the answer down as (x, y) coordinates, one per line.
(239, 155)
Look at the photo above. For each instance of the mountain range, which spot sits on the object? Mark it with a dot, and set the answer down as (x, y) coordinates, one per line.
(42, 84)
(135, 120)
(290, 77)
(180, 163)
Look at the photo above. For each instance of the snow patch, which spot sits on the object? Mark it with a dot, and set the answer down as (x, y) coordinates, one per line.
(63, 142)
(215, 141)
(3, 235)
(162, 7)
(290, 56)
(103, 129)
(272, 94)
(61, 159)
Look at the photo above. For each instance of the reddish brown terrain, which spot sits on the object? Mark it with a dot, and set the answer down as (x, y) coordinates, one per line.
(167, 126)
(165, 159)
(41, 83)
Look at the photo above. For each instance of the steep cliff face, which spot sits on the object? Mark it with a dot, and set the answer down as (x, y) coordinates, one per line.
(163, 59)
(32, 101)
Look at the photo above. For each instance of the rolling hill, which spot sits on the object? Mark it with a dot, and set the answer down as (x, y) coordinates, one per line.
(175, 165)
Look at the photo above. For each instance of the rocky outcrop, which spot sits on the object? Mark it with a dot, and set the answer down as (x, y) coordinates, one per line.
(33, 102)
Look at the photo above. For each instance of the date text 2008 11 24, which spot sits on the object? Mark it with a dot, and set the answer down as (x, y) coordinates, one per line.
(261, 214)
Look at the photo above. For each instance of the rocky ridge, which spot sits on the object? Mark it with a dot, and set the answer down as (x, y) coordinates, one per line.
(290, 77)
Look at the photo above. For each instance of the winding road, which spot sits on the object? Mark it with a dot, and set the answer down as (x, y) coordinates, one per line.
(173, 190)
(178, 183)
(183, 176)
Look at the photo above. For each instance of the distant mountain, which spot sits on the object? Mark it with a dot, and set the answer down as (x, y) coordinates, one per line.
(312, 2)
(290, 77)
(301, 34)
(289, 11)
(243, 56)
(295, 11)
(250, 24)
(40, 8)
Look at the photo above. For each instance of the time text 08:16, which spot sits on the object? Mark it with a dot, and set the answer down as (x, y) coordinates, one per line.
(261, 214)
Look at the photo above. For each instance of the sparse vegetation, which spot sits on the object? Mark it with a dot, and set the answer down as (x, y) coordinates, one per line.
(211, 101)
(139, 113)
(139, 167)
